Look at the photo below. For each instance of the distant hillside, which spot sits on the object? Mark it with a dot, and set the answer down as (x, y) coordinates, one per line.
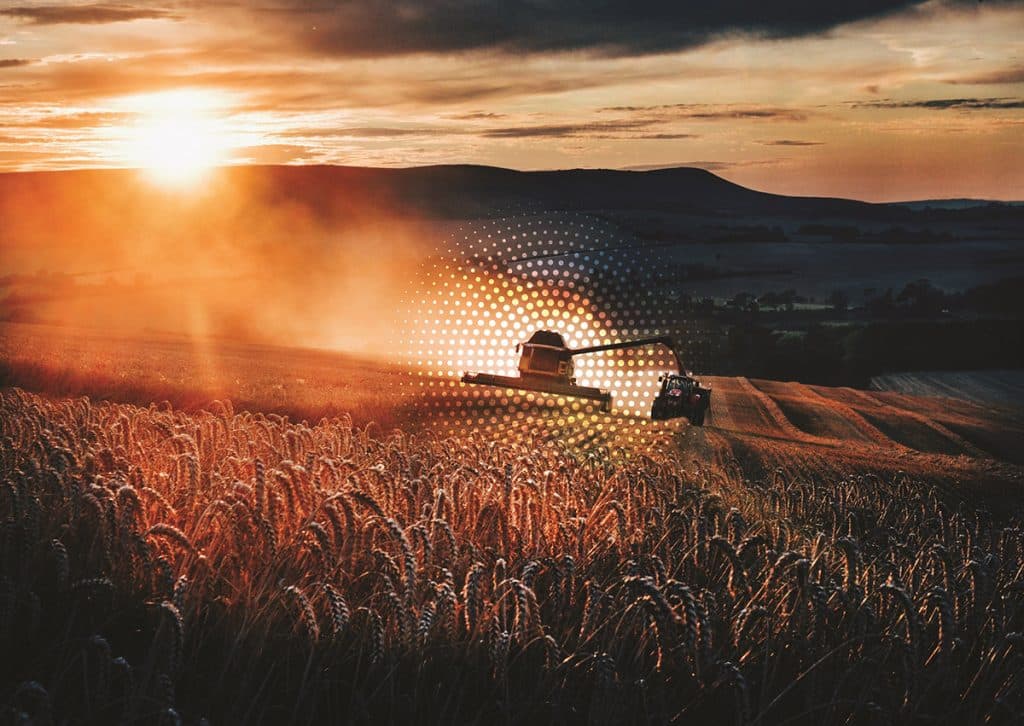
(451, 191)
(436, 191)
(928, 204)
(58, 207)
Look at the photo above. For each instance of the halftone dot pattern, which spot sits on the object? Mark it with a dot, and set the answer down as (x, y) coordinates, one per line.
(496, 281)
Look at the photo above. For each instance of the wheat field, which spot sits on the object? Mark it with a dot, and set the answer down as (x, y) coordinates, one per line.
(234, 567)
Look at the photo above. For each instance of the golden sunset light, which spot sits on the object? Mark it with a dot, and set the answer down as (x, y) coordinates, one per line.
(525, 362)
(871, 100)
(176, 137)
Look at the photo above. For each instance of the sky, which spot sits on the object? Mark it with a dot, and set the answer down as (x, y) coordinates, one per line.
(868, 99)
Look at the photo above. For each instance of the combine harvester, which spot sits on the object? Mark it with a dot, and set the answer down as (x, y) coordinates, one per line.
(546, 366)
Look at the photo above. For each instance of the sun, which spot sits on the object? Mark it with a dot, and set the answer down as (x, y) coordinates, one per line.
(177, 149)
(178, 136)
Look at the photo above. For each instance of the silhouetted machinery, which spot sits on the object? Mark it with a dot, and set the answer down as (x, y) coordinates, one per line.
(545, 365)
(681, 395)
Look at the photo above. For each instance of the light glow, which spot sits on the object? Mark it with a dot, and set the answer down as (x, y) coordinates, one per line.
(178, 137)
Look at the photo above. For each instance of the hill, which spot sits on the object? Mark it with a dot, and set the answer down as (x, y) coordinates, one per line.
(449, 191)
(955, 204)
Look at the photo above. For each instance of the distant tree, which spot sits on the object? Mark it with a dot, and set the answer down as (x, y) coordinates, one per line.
(1005, 297)
(749, 350)
(822, 359)
(838, 300)
(743, 301)
(881, 305)
(922, 297)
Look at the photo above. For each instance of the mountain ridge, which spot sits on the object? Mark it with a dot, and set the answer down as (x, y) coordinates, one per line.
(455, 191)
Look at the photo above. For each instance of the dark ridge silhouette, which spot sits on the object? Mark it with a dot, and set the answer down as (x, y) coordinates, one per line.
(461, 190)
(452, 191)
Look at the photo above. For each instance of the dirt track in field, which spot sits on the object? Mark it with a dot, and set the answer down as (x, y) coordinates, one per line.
(759, 428)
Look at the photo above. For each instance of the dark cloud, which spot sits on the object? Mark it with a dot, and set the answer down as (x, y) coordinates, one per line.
(941, 104)
(363, 132)
(599, 130)
(590, 130)
(775, 114)
(1004, 75)
(610, 27)
(15, 62)
(668, 136)
(706, 165)
(461, 91)
(712, 112)
(89, 14)
(475, 116)
(790, 142)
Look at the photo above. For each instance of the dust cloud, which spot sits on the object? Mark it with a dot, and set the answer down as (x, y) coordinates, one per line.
(261, 254)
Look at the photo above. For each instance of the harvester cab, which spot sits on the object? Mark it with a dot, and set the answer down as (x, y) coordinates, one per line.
(546, 354)
(546, 366)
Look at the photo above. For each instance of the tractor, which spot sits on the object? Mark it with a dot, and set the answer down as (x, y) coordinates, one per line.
(681, 395)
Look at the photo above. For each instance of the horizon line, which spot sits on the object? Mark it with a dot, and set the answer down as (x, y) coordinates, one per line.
(627, 169)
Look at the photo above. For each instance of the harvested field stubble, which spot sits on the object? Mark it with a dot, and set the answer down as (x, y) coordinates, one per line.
(163, 566)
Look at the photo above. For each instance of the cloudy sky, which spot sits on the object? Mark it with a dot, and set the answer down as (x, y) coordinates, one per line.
(871, 99)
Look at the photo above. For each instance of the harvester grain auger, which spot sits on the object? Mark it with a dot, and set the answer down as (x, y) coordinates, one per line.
(546, 366)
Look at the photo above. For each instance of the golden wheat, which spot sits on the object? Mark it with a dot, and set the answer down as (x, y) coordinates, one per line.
(244, 567)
